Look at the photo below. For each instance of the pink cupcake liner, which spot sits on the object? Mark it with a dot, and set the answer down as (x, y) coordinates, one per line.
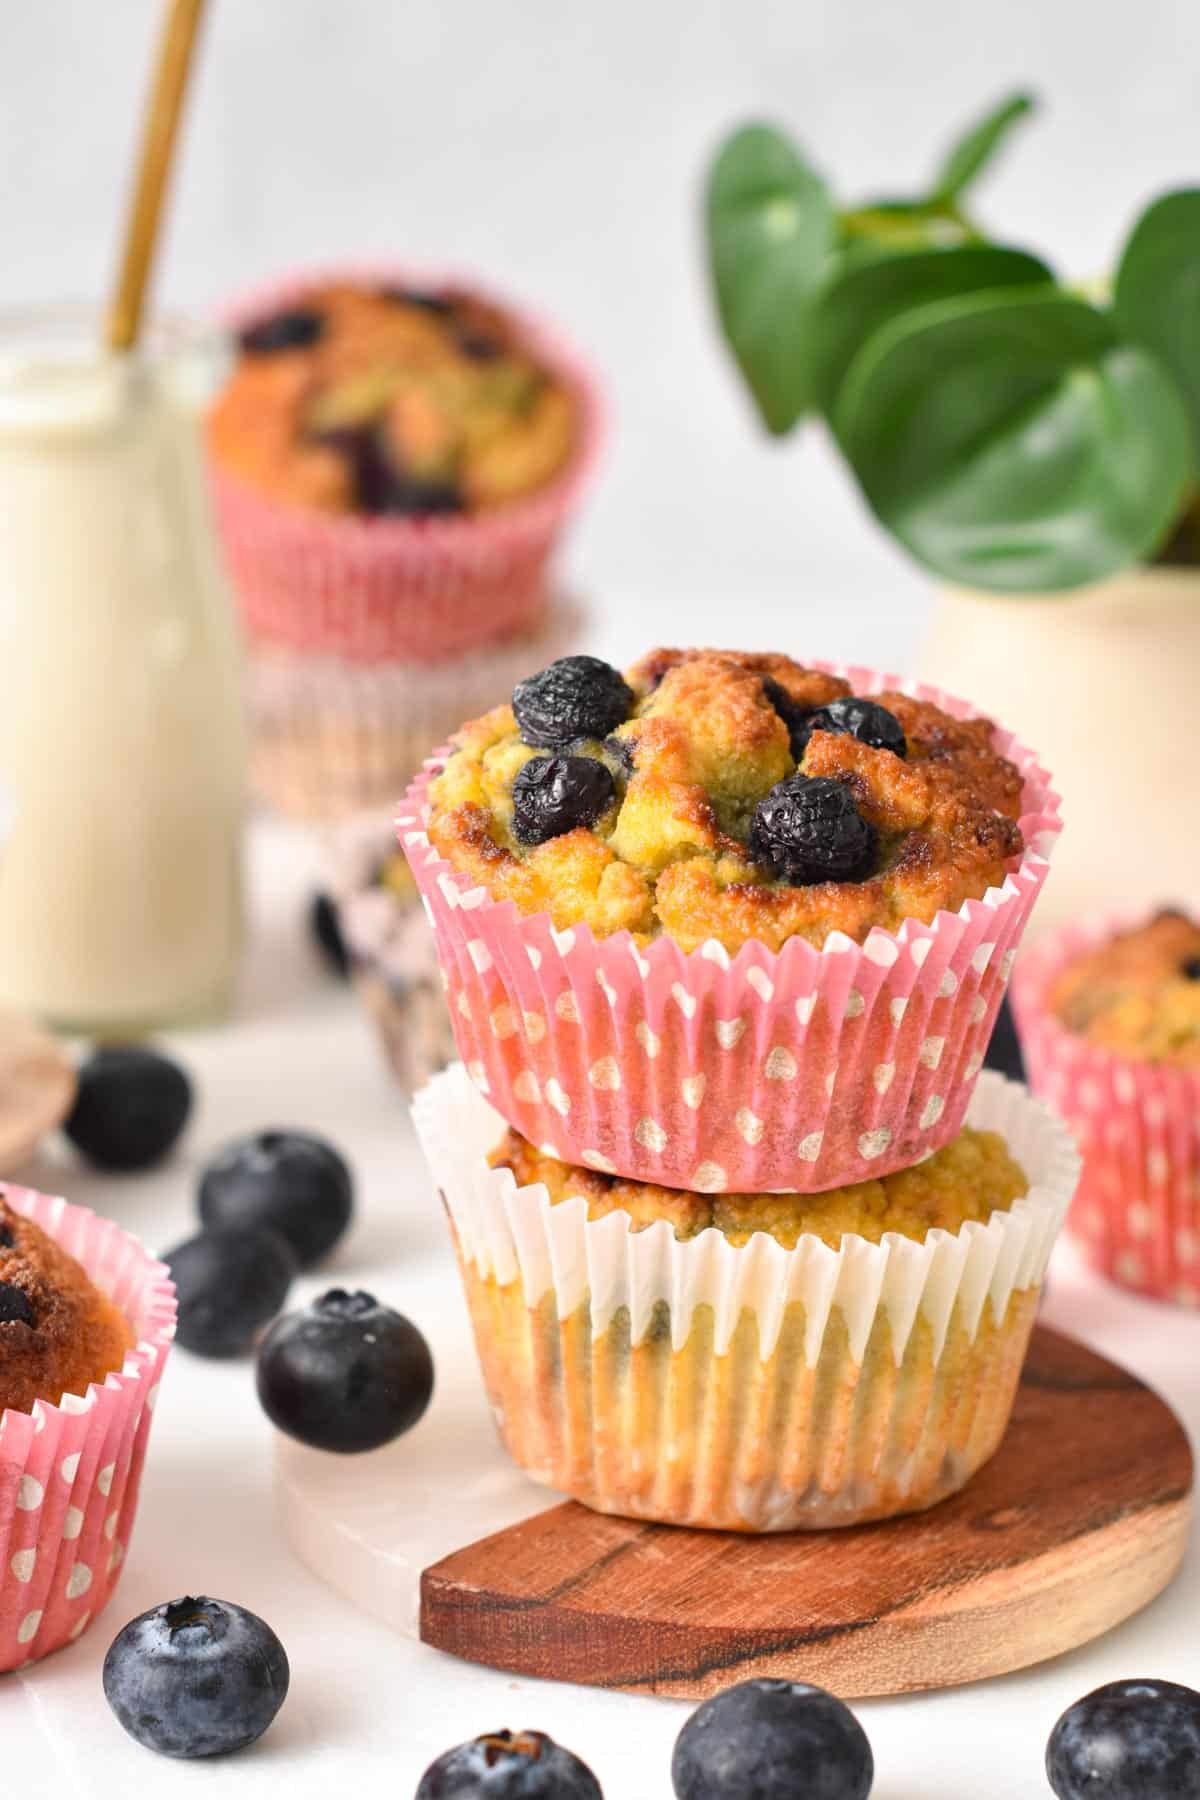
(330, 737)
(1137, 1210)
(70, 1474)
(374, 590)
(797, 1071)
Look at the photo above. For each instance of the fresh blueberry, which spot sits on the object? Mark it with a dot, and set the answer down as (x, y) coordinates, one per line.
(131, 1106)
(15, 1305)
(1191, 968)
(865, 720)
(794, 715)
(576, 697)
(294, 330)
(509, 1765)
(809, 829)
(196, 1677)
(553, 794)
(327, 934)
(229, 1283)
(347, 1374)
(288, 1182)
(772, 1740)
(1131, 1740)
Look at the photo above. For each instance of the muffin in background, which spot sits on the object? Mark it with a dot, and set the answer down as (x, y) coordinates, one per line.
(394, 461)
(1108, 1012)
(752, 1362)
(86, 1322)
(729, 922)
(387, 939)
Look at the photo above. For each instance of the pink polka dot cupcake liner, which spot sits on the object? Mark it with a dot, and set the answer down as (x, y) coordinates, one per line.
(1136, 1215)
(378, 589)
(793, 1071)
(70, 1474)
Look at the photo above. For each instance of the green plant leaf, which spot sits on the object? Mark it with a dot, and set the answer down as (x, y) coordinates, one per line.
(771, 236)
(871, 288)
(891, 225)
(1157, 293)
(1013, 441)
(977, 146)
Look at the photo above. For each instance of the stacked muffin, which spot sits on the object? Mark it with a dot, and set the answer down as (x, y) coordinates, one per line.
(393, 464)
(724, 940)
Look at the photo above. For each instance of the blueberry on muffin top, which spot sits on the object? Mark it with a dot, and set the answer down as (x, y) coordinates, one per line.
(712, 794)
(1139, 992)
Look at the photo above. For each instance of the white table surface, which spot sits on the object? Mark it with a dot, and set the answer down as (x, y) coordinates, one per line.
(368, 1704)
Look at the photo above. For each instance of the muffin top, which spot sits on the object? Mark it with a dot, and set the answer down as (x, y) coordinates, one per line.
(58, 1333)
(1138, 993)
(970, 1179)
(391, 401)
(711, 794)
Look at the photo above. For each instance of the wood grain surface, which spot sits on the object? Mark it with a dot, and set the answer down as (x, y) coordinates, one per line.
(1078, 1522)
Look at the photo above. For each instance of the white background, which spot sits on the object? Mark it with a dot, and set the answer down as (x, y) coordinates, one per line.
(558, 149)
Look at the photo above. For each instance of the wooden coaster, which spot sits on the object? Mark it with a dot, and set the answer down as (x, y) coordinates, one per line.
(1078, 1522)
(37, 1087)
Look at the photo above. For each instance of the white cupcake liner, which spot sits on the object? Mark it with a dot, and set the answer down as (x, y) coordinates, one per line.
(70, 1473)
(816, 1317)
(798, 1071)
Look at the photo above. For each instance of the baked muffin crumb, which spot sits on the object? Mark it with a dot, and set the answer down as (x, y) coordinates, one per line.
(58, 1332)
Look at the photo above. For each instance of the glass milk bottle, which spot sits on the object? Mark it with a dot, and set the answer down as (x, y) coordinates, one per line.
(121, 731)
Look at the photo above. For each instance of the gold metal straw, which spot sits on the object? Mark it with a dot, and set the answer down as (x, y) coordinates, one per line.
(159, 132)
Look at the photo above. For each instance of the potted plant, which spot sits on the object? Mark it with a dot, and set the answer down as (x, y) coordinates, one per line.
(1034, 443)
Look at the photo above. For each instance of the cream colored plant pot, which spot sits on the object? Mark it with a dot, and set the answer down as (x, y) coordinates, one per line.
(1105, 684)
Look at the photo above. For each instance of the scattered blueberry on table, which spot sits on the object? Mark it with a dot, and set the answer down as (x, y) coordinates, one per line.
(1130, 1740)
(229, 1283)
(130, 1108)
(196, 1677)
(508, 1765)
(772, 1740)
(288, 1182)
(346, 1374)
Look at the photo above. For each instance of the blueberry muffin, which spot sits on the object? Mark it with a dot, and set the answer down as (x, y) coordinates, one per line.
(58, 1333)
(775, 1372)
(970, 1179)
(717, 795)
(397, 402)
(1138, 993)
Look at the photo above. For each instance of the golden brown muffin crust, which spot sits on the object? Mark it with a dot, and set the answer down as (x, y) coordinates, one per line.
(444, 387)
(707, 743)
(1134, 993)
(58, 1333)
(971, 1178)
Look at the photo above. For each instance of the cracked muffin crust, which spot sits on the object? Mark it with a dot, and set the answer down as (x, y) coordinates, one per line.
(721, 795)
(973, 1177)
(58, 1332)
(1138, 993)
(391, 401)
